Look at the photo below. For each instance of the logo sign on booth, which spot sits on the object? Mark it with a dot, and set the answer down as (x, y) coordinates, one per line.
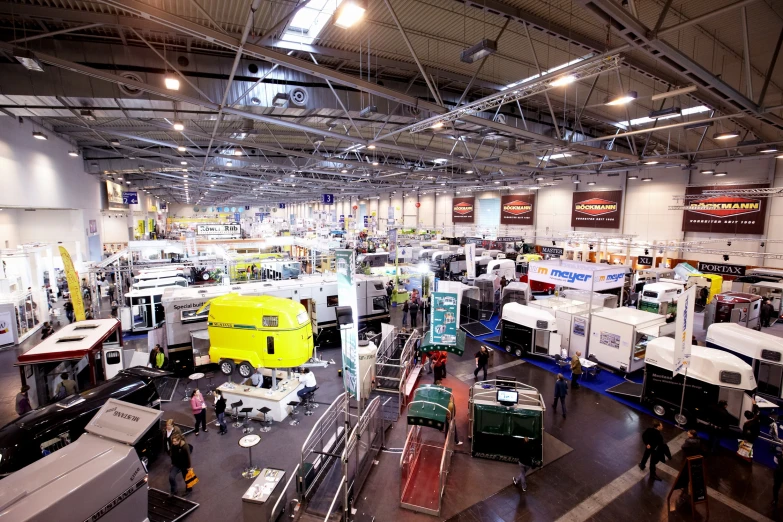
(130, 198)
(444, 318)
(573, 276)
(552, 251)
(683, 330)
(597, 209)
(463, 210)
(721, 268)
(345, 261)
(724, 213)
(517, 210)
(327, 199)
(644, 260)
(214, 230)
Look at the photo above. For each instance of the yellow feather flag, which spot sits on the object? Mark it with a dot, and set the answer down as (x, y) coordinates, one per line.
(73, 285)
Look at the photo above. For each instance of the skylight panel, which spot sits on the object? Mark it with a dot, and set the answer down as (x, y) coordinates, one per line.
(309, 21)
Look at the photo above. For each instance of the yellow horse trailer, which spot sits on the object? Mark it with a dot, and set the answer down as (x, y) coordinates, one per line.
(248, 332)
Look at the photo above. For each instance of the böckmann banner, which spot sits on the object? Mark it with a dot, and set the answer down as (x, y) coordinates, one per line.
(463, 210)
(597, 209)
(517, 210)
(724, 213)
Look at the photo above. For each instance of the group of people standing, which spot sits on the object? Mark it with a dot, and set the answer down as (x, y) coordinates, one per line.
(412, 307)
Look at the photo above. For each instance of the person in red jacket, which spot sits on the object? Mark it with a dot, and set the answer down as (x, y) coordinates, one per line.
(439, 365)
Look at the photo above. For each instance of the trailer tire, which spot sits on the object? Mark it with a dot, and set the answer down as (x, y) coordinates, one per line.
(659, 410)
(682, 419)
(227, 367)
(550, 291)
(245, 369)
(509, 349)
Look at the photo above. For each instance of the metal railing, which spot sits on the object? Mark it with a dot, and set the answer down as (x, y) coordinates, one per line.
(327, 434)
(394, 364)
(274, 514)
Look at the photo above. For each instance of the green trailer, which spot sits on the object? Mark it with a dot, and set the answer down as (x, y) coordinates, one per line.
(497, 426)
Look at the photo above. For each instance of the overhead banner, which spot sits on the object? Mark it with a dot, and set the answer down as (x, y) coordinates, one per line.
(573, 277)
(517, 210)
(721, 268)
(724, 214)
(463, 210)
(345, 261)
(444, 318)
(644, 260)
(597, 209)
(470, 260)
(552, 251)
(74, 288)
(683, 330)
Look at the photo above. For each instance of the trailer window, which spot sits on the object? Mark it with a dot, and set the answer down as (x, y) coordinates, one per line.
(86, 327)
(648, 293)
(71, 339)
(192, 316)
(270, 321)
(770, 355)
(768, 377)
(270, 345)
(379, 303)
(731, 378)
(331, 301)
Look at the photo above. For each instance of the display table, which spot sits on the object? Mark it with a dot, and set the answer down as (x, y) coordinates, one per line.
(276, 400)
(263, 496)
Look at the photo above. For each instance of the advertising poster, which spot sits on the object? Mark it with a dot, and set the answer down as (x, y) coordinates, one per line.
(597, 209)
(74, 287)
(470, 260)
(393, 245)
(444, 318)
(345, 262)
(517, 210)
(683, 329)
(6, 329)
(725, 214)
(93, 226)
(463, 210)
(114, 191)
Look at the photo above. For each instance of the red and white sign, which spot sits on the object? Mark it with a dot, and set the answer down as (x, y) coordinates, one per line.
(597, 209)
(517, 209)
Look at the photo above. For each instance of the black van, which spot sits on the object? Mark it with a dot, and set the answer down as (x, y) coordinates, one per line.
(52, 427)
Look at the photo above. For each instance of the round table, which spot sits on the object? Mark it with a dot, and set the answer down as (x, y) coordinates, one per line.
(196, 377)
(248, 441)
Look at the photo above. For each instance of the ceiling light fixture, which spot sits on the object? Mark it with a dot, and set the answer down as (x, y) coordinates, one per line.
(633, 176)
(651, 162)
(708, 172)
(563, 80)
(591, 183)
(344, 171)
(727, 135)
(468, 172)
(349, 13)
(28, 59)
(676, 92)
(577, 180)
(646, 179)
(371, 147)
(375, 163)
(183, 162)
(670, 111)
(229, 164)
(540, 178)
(437, 125)
(73, 153)
(178, 126)
(720, 174)
(478, 51)
(181, 148)
(622, 99)
(40, 135)
(237, 152)
(171, 83)
(280, 99)
(768, 150)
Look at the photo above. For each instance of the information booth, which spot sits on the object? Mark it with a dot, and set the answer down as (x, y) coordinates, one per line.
(90, 352)
(501, 412)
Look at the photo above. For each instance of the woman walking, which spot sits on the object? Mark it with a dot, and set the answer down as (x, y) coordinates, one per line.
(199, 408)
(220, 411)
(168, 434)
(180, 463)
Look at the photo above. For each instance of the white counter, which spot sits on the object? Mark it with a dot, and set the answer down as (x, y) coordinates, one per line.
(276, 400)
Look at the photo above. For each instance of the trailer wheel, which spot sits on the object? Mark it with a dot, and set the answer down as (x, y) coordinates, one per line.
(509, 349)
(245, 369)
(227, 367)
(659, 410)
(681, 419)
(550, 291)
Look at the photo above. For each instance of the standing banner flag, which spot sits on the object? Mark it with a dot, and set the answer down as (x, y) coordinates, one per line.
(470, 260)
(73, 285)
(345, 261)
(443, 318)
(393, 245)
(683, 331)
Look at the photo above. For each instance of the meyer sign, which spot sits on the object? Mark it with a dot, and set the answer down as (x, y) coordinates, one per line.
(571, 277)
(721, 268)
(218, 230)
(552, 251)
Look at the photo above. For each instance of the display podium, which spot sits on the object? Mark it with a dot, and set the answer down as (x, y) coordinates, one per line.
(261, 498)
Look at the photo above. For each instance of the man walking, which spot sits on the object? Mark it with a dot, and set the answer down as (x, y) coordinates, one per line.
(652, 439)
(561, 390)
(766, 312)
(525, 463)
(576, 370)
(482, 361)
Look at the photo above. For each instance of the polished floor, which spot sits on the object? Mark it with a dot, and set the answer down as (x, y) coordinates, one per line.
(594, 476)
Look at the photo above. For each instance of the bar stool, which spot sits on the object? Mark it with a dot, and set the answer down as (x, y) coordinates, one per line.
(308, 402)
(210, 376)
(187, 391)
(266, 424)
(235, 406)
(245, 427)
(294, 413)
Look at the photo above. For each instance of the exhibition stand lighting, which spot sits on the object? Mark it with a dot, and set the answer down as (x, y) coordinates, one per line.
(171, 83)
(580, 71)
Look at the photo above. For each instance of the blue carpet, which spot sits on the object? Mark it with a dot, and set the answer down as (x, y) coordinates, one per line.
(763, 451)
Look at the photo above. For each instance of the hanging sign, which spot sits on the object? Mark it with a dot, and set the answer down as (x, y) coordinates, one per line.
(597, 209)
(327, 199)
(724, 214)
(214, 230)
(552, 251)
(463, 210)
(345, 261)
(74, 288)
(444, 318)
(517, 210)
(721, 268)
(130, 198)
(644, 260)
(574, 277)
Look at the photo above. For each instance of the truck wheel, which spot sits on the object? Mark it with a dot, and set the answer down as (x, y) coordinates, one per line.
(550, 291)
(245, 369)
(227, 367)
(659, 410)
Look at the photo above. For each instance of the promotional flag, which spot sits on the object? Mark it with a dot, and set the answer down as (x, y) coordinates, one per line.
(470, 260)
(73, 285)
(683, 330)
(345, 262)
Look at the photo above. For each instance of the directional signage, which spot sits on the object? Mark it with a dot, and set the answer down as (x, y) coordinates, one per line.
(281, 205)
(327, 199)
(130, 198)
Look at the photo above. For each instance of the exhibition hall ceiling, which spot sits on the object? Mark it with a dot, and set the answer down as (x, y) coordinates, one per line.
(245, 102)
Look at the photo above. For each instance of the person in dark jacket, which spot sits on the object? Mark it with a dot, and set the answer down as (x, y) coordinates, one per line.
(482, 361)
(777, 474)
(414, 311)
(766, 312)
(220, 412)
(653, 440)
(719, 421)
(405, 307)
(692, 445)
(525, 463)
(180, 462)
(46, 330)
(752, 427)
(168, 432)
(23, 401)
(389, 291)
(68, 307)
(561, 390)
(425, 310)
